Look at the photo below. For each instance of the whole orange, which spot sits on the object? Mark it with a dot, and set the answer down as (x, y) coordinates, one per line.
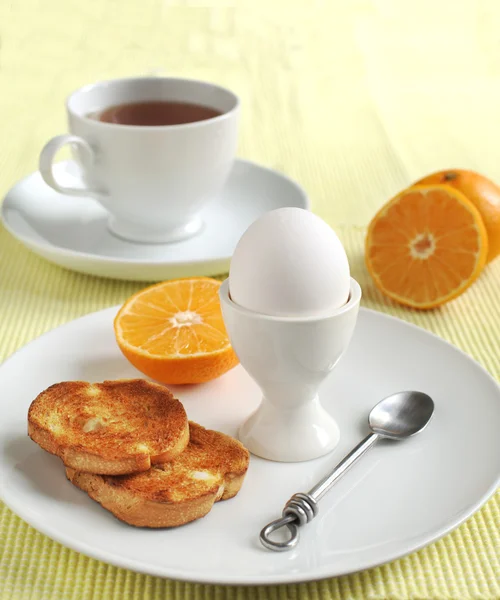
(482, 192)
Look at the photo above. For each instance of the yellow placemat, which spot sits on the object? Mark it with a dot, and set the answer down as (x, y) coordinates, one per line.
(355, 99)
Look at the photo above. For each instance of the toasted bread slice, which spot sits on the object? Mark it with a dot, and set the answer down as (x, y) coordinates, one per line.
(112, 428)
(211, 468)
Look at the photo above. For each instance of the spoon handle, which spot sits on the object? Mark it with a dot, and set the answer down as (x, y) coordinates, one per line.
(325, 485)
(302, 508)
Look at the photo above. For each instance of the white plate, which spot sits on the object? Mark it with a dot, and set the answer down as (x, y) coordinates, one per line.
(72, 232)
(399, 497)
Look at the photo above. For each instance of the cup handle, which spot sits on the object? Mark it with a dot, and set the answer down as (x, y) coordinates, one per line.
(46, 165)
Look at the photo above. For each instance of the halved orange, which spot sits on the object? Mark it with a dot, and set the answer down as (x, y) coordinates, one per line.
(173, 332)
(426, 246)
(482, 192)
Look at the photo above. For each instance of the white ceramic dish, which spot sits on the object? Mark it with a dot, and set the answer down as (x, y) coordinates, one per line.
(73, 232)
(418, 489)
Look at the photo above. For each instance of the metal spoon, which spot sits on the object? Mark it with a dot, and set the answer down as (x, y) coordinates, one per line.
(396, 417)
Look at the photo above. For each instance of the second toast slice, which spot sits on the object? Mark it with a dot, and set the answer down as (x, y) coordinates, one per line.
(211, 468)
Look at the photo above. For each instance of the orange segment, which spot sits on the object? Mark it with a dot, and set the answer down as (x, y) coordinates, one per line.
(426, 246)
(174, 332)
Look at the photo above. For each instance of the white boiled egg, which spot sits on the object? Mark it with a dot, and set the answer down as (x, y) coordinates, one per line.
(289, 263)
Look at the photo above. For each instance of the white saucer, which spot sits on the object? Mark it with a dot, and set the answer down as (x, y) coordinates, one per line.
(73, 233)
(399, 497)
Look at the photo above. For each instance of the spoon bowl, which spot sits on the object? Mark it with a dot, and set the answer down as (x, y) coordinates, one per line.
(401, 415)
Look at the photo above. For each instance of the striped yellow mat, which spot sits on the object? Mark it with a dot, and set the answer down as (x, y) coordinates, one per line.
(355, 100)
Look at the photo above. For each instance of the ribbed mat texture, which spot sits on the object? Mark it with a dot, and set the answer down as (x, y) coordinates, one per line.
(355, 99)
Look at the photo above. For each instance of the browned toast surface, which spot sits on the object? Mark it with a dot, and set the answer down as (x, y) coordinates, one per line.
(211, 468)
(114, 427)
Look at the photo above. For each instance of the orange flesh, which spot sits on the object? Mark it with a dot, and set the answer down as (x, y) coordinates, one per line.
(176, 320)
(426, 246)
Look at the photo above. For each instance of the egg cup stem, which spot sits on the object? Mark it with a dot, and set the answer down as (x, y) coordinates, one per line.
(292, 434)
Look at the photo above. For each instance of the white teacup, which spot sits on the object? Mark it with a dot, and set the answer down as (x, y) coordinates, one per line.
(153, 180)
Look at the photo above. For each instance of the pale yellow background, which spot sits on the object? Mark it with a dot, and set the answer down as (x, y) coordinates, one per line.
(355, 99)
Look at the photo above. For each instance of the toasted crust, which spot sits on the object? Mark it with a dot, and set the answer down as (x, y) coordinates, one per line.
(212, 468)
(111, 428)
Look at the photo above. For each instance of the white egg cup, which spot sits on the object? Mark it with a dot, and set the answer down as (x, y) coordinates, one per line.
(289, 358)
